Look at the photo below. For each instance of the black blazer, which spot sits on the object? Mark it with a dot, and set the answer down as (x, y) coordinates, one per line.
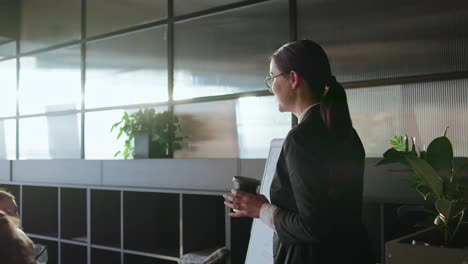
(318, 189)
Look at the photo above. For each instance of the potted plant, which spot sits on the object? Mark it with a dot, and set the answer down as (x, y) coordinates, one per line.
(149, 134)
(436, 177)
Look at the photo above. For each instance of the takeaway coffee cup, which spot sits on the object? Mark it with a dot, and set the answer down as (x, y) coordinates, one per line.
(246, 184)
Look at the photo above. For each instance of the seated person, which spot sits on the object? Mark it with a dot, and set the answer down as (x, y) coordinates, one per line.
(15, 246)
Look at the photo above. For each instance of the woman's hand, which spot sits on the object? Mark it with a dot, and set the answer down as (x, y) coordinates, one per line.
(244, 204)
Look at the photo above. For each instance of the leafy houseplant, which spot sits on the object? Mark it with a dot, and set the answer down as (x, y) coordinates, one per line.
(160, 129)
(435, 177)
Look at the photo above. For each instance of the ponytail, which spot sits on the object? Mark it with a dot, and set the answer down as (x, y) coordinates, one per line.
(334, 110)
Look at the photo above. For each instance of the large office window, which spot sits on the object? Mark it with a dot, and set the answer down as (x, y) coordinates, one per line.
(83, 64)
(81, 75)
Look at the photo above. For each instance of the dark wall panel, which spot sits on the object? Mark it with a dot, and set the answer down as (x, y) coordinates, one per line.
(387, 39)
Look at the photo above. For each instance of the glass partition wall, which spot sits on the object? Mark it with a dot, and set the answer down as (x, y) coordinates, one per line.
(72, 69)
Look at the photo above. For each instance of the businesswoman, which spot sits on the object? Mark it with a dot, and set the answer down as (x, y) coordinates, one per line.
(316, 193)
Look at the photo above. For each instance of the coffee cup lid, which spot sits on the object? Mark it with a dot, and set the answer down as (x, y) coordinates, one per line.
(246, 180)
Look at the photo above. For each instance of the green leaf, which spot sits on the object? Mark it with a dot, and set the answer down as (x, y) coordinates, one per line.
(424, 190)
(115, 125)
(449, 209)
(120, 133)
(415, 179)
(125, 153)
(440, 155)
(427, 173)
(117, 153)
(397, 143)
(392, 156)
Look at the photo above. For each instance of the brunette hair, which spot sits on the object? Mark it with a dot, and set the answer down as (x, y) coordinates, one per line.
(310, 61)
(15, 246)
(6, 194)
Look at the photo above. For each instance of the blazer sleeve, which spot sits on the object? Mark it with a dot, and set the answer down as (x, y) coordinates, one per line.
(307, 174)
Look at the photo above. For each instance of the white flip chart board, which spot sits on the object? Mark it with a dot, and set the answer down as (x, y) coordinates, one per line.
(261, 236)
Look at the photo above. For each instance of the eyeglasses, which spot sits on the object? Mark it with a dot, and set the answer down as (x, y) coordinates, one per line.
(269, 81)
(41, 253)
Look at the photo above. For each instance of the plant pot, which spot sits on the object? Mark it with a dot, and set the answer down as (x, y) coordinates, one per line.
(141, 143)
(402, 251)
(145, 148)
